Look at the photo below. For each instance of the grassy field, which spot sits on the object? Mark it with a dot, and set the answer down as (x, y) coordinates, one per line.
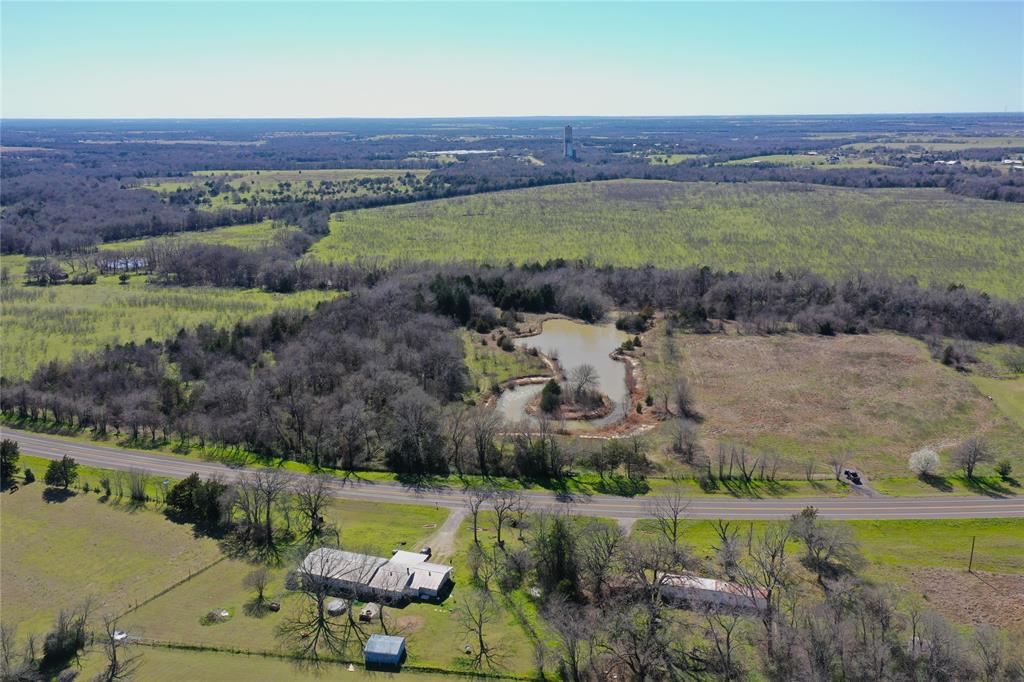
(905, 543)
(246, 187)
(249, 236)
(161, 664)
(940, 144)
(880, 396)
(1008, 395)
(52, 323)
(57, 552)
(671, 159)
(820, 160)
(933, 235)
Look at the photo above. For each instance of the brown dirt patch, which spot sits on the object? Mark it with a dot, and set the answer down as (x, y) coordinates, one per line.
(409, 624)
(974, 598)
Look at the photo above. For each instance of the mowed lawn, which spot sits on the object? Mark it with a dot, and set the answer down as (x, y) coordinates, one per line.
(173, 665)
(936, 236)
(880, 396)
(57, 553)
(53, 323)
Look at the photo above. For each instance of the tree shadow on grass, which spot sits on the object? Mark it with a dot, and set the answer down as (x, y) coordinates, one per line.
(987, 487)
(255, 608)
(738, 487)
(57, 495)
(423, 482)
(622, 486)
(940, 483)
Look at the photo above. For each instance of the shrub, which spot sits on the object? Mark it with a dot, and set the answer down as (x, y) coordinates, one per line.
(924, 462)
(29, 476)
(105, 483)
(61, 472)
(1004, 469)
(551, 396)
(9, 455)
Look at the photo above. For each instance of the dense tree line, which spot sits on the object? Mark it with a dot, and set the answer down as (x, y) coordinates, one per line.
(375, 378)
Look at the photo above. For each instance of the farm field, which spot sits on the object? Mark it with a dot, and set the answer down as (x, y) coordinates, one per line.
(932, 235)
(672, 159)
(56, 552)
(239, 188)
(879, 396)
(807, 160)
(53, 323)
(941, 144)
(248, 236)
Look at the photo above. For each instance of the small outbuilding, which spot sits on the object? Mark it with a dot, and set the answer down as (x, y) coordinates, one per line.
(384, 651)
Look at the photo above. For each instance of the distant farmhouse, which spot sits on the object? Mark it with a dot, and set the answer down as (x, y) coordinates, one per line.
(405, 576)
(699, 590)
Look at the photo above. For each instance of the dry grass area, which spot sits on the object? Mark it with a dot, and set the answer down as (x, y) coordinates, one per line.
(880, 396)
(978, 598)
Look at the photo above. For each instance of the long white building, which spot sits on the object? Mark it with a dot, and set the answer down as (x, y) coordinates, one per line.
(406, 575)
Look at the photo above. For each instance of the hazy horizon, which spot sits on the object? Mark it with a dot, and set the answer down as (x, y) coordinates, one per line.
(267, 60)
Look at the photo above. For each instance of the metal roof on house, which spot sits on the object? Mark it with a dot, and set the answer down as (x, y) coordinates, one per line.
(337, 564)
(384, 645)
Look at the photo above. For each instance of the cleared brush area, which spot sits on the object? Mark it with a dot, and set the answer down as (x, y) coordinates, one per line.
(880, 396)
(929, 234)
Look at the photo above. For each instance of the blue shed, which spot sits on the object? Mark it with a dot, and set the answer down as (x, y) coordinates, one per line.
(384, 651)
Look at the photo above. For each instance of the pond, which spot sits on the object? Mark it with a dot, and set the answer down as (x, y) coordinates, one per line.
(572, 344)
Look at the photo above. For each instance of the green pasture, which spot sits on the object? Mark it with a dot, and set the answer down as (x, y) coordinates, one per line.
(247, 187)
(53, 323)
(929, 234)
(58, 551)
(899, 544)
(162, 664)
(818, 161)
(247, 236)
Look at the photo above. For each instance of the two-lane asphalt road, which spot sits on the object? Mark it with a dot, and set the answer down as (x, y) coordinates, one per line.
(619, 508)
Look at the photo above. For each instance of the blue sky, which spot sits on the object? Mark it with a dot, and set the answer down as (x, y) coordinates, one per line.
(295, 59)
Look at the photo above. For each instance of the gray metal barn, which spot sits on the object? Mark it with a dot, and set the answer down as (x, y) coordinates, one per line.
(384, 651)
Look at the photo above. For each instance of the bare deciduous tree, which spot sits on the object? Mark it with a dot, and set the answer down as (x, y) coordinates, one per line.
(669, 513)
(582, 378)
(600, 546)
(475, 614)
(576, 628)
(504, 503)
(309, 629)
(123, 660)
(476, 496)
(257, 581)
(970, 454)
(312, 495)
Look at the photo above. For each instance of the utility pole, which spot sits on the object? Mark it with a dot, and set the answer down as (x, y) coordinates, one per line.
(970, 564)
